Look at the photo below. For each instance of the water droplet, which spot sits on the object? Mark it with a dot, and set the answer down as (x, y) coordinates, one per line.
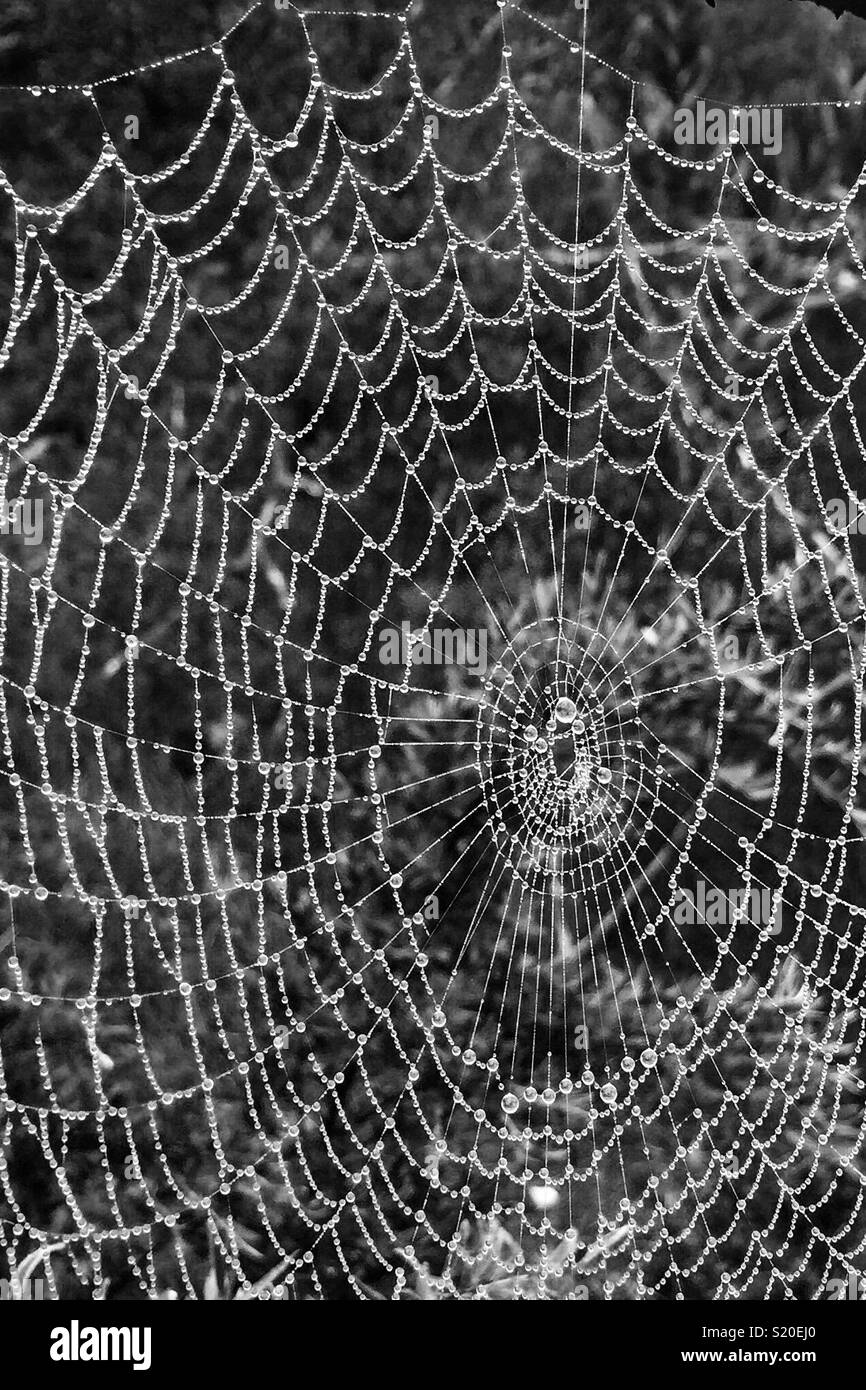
(530, 733)
(579, 726)
(608, 1094)
(530, 1095)
(649, 1057)
(604, 775)
(509, 1103)
(438, 1019)
(541, 745)
(548, 1095)
(565, 710)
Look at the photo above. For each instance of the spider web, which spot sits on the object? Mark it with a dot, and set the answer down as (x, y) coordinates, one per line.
(332, 974)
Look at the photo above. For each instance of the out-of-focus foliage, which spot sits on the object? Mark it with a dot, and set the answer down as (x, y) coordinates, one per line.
(739, 52)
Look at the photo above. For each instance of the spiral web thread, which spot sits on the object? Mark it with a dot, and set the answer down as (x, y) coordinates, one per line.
(438, 1026)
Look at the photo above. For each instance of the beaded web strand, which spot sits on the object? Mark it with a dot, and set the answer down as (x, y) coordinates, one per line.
(327, 973)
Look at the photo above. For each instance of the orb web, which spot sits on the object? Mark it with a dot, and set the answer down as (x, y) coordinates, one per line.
(343, 958)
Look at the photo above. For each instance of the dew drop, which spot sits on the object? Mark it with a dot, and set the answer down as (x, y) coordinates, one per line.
(565, 710)
(530, 733)
(649, 1057)
(509, 1103)
(438, 1019)
(608, 1094)
(604, 775)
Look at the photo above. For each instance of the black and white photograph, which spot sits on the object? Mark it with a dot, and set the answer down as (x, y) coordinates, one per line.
(432, 658)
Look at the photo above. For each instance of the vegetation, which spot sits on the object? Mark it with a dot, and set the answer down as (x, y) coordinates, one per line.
(738, 1053)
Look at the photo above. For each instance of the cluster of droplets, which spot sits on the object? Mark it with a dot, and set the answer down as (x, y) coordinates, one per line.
(562, 760)
(512, 1100)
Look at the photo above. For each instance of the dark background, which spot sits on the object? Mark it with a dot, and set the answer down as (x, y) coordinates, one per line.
(734, 52)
